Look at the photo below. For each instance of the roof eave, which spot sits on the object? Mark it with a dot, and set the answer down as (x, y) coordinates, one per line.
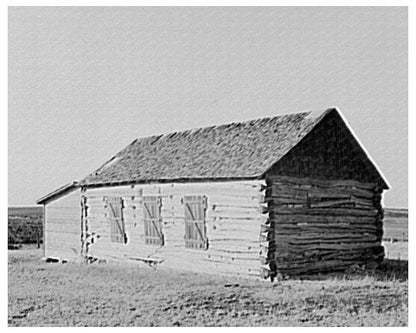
(169, 180)
(384, 184)
(57, 193)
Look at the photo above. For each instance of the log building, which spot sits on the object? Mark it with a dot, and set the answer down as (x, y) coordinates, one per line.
(291, 194)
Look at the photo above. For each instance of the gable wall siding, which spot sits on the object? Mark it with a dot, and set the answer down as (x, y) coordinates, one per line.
(233, 223)
(63, 227)
(328, 152)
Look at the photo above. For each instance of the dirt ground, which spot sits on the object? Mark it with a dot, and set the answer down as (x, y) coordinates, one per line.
(51, 294)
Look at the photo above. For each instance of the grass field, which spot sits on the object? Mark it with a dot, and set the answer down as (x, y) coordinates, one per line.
(24, 225)
(46, 294)
(395, 224)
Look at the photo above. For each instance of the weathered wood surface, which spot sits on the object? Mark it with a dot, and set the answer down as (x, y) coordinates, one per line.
(233, 224)
(317, 225)
(321, 183)
(62, 227)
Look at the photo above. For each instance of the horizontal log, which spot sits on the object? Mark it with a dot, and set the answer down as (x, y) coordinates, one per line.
(319, 239)
(310, 219)
(305, 227)
(310, 255)
(247, 219)
(364, 206)
(253, 252)
(287, 200)
(213, 235)
(310, 262)
(288, 233)
(362, 201)
(235, 211)
(314, 192)
(319, 182)
(322, 234)
(276, 192)
(323, 212)
(231, 225)
(331, 203)
(331, 246)
(363, 254)
(292, 262)
(322, 267)
(244, 241)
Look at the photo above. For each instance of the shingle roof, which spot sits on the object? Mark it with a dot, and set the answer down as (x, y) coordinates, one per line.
(242, 150)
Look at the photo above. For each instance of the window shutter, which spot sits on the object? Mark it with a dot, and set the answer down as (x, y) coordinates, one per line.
(152, 206)
(115, 215)
(195, 222)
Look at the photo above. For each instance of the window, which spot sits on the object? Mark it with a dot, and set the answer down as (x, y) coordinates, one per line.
(153, 233)
(195, 222)
(115, 215)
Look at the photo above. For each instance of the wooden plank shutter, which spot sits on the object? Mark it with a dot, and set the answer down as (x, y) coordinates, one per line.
(115, 215)
(195, 221)
(152, 207)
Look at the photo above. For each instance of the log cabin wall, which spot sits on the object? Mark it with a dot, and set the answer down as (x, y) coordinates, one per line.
(63, 228)
(317, 225)
(233, 223)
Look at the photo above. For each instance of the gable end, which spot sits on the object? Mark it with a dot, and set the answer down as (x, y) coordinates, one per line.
(330, 151)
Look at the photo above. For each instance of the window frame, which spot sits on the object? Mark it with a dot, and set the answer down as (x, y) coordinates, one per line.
(195, 236)
(116, 222)
(153, 221)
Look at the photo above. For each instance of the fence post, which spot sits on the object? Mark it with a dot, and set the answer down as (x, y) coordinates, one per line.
(37, 237)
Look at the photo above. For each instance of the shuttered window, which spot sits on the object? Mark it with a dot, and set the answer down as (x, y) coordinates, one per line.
(115, 215)
(195, 222)
(153, 232)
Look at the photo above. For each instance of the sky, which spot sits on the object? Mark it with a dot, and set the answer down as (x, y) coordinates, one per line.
(84, 82)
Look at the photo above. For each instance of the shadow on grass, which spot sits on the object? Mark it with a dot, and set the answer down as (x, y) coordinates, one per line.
(393, 269)
(388, 270)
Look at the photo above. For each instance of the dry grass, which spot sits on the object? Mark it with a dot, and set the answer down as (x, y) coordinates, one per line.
(45, 294)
